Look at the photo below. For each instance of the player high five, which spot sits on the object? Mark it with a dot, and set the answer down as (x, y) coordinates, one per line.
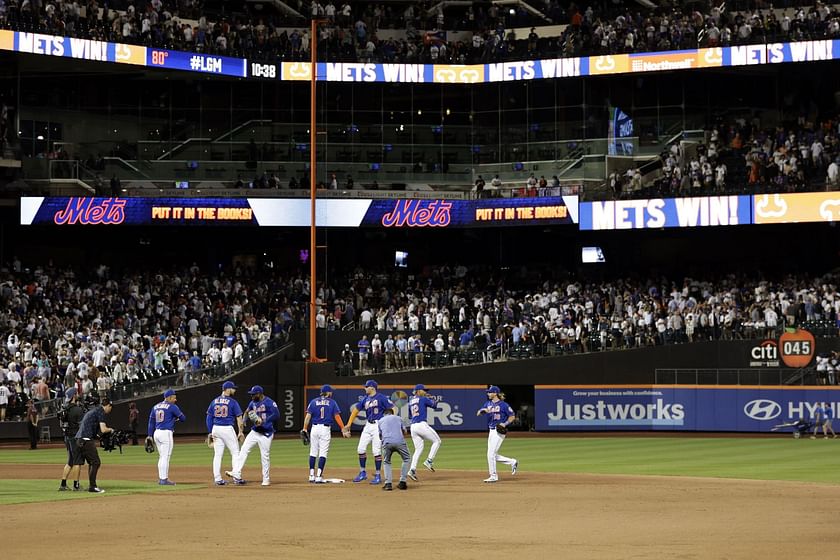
(418, 406)
(374, 405)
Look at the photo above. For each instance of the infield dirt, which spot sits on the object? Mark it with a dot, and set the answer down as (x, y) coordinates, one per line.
(448, 514)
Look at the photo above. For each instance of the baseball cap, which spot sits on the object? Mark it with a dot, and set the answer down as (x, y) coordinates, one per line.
(371, 383)
(169, 393)
(493, 389)
(256, 389)
(228, 385)
(327, 389)
(419, 387)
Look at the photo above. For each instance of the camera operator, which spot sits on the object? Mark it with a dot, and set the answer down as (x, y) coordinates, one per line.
(93, 424)
(71, 417)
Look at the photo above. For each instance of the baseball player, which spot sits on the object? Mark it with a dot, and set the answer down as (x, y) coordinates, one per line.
(499, 415)
(322, 411)
(262, 412)
(162, 420)
(374, 405)
(221, 413)
(391, 431)
(420, 429)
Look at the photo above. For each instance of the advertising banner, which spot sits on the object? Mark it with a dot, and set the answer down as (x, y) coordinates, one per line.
(796, 208)
(666, 213)
(457, 405)
(678, 407)
(292, 212)
(521, 70)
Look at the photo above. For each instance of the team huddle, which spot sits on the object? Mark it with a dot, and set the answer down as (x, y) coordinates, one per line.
(384, 432)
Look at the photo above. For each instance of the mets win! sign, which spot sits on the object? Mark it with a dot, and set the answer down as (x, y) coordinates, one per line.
(456, 406)
(677, 408)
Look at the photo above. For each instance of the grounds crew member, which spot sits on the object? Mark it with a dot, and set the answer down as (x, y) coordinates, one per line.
(91, 426)
(71, 418)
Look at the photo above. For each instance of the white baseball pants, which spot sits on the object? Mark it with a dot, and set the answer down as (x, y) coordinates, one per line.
(164, 443)
(420, 432)
(223, 436)
(494, 442)
(319, 440)
(370, 436)
(255, 439)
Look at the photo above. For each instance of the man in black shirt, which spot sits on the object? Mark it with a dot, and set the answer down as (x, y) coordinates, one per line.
(93, 424)
(71, 418)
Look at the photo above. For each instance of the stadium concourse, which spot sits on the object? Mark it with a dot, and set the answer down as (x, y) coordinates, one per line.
(421, 31)
(99, 328)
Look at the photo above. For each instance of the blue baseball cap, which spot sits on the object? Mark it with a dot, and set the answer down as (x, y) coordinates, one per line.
(228, 385)
(168, 393)
(371, 383)
(419, 387)
(256, 389)
(493, 389)
(327, 389)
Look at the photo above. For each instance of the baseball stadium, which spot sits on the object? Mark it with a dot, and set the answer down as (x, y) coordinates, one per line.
(532, 278)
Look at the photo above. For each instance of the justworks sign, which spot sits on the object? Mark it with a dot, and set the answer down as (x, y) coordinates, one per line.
(601, 413)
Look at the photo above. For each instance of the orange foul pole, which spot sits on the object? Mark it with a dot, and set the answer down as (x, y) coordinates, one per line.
(313, 46)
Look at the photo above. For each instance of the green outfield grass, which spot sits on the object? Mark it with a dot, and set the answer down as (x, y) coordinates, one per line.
(28, 491)
(761, 458)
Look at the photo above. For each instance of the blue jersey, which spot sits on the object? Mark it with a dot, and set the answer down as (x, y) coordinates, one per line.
(374, 406)
(498, 413)
(269, 413)
(828, 414)
(163, 416)
(364, 346)
(417, 408)
(323, 410)
(223, 411)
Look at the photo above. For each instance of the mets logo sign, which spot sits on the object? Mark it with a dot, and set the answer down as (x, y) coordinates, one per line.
(419, 213)
(762, 409)
(89, 211)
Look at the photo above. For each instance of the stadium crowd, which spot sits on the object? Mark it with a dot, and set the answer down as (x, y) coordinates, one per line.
(93, 330)
(356, 31)
(742, 156)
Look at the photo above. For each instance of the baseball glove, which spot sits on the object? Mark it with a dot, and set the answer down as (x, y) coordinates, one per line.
(304, 437)
(501, 429)
(150, 445)
(254, 417)
(209, 441)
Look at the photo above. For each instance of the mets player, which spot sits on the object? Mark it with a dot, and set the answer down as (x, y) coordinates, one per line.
(374, 405)
(162, 420)
(420, 429)
(262, 412)
(499, 413)
(322, 411)
(221, 415)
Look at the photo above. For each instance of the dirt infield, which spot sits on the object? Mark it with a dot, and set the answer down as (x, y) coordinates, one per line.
(448, 514)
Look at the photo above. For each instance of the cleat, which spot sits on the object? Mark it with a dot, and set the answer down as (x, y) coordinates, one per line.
(360, 477)
(319, 480)
(428, 464)
(165, 482)
(265, 483)
(412, 474)
(63, 489)
(402, 485)
(388, 486)
(221, 483)
(311, 479)
(376, 479)
(96, 490)
(514, 466)
(239, 482)
(492, 479)
(77, 489)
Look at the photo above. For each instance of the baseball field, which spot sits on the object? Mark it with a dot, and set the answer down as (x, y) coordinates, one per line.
(573, 497)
